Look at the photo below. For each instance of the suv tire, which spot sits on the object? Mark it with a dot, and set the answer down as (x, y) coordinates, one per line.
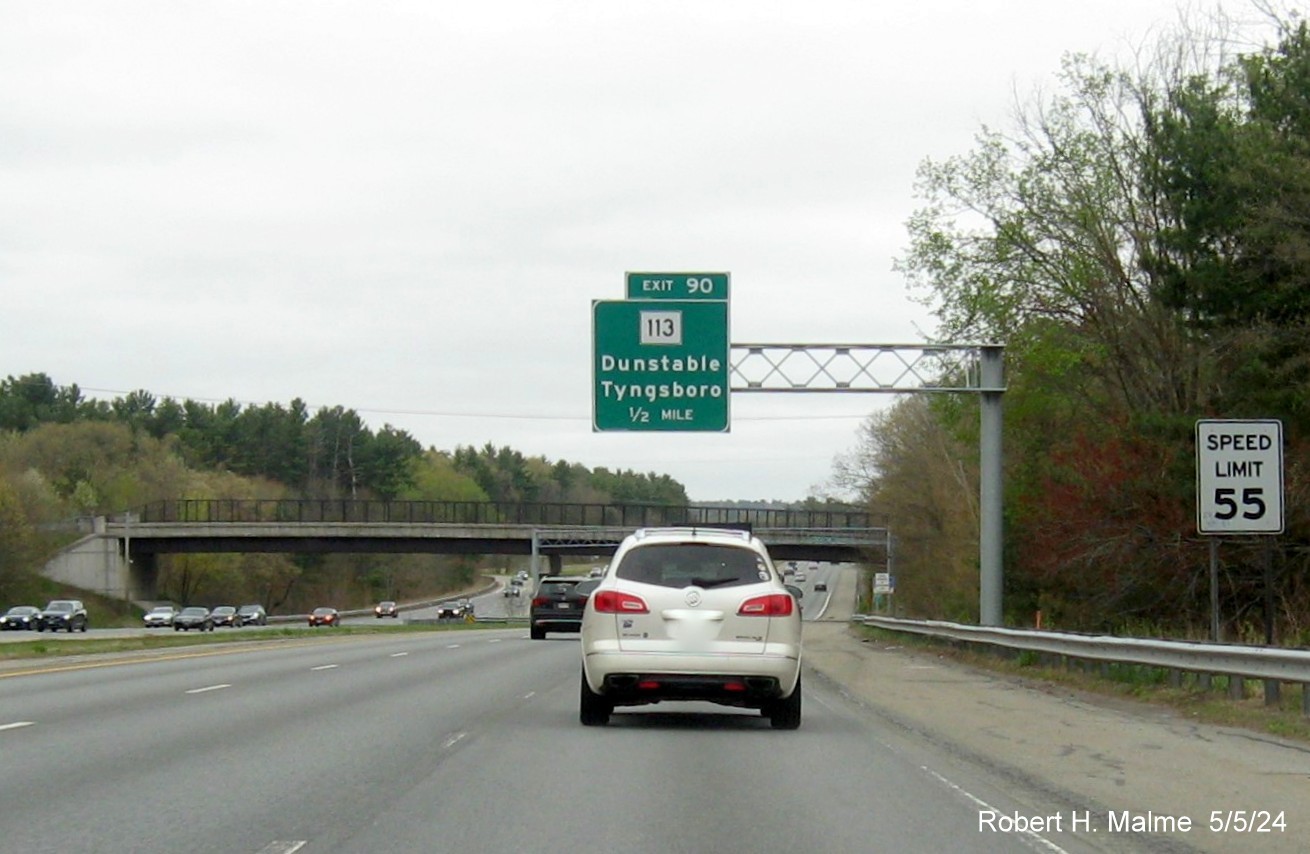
(536, 633)
(593, 709)
(786, 713)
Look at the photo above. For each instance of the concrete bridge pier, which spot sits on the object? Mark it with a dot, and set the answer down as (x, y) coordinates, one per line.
(103, 563)
(555, 562)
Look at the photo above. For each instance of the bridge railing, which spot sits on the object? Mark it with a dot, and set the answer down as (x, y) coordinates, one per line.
(297, 511)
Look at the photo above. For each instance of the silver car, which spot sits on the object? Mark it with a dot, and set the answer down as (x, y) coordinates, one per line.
(161, 616)
(687, 614)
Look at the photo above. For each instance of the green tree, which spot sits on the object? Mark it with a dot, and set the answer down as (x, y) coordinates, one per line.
(1053, 239)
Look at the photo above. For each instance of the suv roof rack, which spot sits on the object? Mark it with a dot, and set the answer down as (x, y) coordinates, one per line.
(734, 530)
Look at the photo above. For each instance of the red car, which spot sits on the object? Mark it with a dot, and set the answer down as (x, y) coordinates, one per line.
(324, 617)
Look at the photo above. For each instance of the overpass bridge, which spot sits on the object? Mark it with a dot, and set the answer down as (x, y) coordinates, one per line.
(118, 556)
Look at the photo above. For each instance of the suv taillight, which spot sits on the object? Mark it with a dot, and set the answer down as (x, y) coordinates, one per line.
(772, 605)
(617, 602)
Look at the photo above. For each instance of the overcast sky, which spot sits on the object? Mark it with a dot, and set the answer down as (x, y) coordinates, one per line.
(406, 208)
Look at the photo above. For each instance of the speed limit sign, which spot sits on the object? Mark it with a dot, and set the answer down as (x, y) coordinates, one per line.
(1239, 477)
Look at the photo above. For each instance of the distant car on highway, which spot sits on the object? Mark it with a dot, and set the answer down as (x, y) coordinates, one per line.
(689, 614)
(386, 609)
(194, 617)
(820, 587)
(20, 617)
(252, 615)
(513, 589)
(558, 604)
(225, 615)
(159, 617)
(324, 617)
(460, 609)
(67, 614)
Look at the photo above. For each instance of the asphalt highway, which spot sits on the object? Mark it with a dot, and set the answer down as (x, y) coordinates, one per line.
(452, 741)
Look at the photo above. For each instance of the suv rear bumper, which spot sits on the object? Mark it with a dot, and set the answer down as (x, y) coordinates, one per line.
(634, 689)
(751, 679)
(557, 624)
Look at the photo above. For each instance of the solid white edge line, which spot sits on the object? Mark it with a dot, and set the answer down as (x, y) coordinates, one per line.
(16, 725)
(208, 688)
(1035, 837)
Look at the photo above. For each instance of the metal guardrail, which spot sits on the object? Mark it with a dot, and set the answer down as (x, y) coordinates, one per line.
(1233, 660)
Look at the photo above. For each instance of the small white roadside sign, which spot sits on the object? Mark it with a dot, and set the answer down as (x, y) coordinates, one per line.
(1239, 476)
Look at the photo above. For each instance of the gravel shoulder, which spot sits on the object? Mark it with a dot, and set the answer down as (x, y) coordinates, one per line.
(1093, 753)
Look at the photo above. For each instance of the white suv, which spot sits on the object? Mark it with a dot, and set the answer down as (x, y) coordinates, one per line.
(692, 614)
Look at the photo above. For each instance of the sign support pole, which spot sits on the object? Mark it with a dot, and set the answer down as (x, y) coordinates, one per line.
(1214, 589)
(990, 491)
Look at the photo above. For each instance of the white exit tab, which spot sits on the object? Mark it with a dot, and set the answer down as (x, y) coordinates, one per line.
(1239, 476)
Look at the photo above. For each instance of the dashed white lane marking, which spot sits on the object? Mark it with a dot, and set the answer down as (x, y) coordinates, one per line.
(279, 846)
(529, 695)
(326, 667)
(452, 740)
(452, 646)
(208, 688)
(399, 654)
(16, 725)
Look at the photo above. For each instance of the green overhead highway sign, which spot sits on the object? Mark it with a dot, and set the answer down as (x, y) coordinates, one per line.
(660, 365)
(679, 286)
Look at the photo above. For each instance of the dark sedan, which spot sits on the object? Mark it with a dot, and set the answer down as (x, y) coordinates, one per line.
(459, 610)
(20, 618)
(386, 609)
(324, 617)
(252, 615)
(193, 618)
(225, 615)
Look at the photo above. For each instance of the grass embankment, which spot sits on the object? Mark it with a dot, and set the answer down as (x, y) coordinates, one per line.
(1135, 682)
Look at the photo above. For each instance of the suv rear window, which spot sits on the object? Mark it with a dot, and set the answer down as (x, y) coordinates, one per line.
(565, 588)
(693, 564)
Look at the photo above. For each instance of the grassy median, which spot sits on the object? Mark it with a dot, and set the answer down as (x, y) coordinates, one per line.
(61, 647)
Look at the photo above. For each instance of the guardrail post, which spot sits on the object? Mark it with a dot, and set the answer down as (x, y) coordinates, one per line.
(1236, 688)
(1273, 692)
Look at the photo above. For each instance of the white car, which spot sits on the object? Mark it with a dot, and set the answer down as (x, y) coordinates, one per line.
(692, 614)
(160, 616)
